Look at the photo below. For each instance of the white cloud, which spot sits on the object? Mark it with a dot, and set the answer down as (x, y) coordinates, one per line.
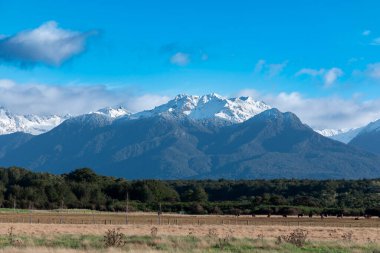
(276, 69)
(310, 72)
(55, 99)
(6, 84)
(366, 32)
(247, 93)
(328, 112)
(145, 102)
(332, 75)
(259, 66)
(271, 70)
(180, 59)
(329, 75)
(47, 44)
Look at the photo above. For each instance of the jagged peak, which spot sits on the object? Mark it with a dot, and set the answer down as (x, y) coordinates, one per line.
(210, 106)
(113, 112)
(206, 107)
(274, 114)
(4, 109)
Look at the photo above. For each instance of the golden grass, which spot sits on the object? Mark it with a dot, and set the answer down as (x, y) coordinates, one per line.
(359, 235)
(258, 233)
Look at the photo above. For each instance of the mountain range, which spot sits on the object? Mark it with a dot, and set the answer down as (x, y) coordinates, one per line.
(191, 137)
(33, 124)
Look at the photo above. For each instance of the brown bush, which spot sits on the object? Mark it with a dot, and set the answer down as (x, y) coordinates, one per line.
(298, 237)
(154, 231)
(114, 238)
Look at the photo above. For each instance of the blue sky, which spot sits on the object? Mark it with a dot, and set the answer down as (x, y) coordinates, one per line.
(291, 54)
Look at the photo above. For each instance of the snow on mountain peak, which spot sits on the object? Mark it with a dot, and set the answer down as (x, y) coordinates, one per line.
(113, 112)
(332, 132)
(4, 111)
(33, 124)
(344, 135)
(211, 106)
(235, 110)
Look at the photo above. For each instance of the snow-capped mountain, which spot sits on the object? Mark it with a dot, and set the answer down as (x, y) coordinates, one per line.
(270, 145)
(113, 112)
(344, 135)
(332, 132)
(212, 106)
(33, 124)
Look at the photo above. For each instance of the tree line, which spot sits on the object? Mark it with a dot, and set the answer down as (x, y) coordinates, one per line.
(84, 189)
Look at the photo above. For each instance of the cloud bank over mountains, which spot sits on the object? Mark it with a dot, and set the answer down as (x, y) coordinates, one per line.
(45, 99)
(319, 113)
(325, 112)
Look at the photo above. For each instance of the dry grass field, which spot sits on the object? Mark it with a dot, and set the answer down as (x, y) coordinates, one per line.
(83, 231)
(271, 232)
(139, 218)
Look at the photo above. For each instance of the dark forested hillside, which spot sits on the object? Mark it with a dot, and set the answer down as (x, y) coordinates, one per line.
(270, 145)
(83, 188)
(368, 141)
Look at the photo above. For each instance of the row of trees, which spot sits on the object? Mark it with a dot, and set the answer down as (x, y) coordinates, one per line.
(83, 188)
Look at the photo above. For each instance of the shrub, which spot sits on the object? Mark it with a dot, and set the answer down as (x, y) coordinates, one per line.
(114, 238)
(154, 231)
(225, 241)
(212, 233)
(11, 236)
(12, 240)
(298, 237)
(347, 237)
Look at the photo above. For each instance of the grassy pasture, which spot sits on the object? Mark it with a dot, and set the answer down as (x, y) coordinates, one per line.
(64, 231)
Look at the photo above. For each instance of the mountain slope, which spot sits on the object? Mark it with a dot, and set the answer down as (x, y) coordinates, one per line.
(269, 145)
(9, 142)
(369, 138)
(275, 144)
(57, 149)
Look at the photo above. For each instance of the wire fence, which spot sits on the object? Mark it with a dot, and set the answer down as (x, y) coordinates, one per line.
(172, 219)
